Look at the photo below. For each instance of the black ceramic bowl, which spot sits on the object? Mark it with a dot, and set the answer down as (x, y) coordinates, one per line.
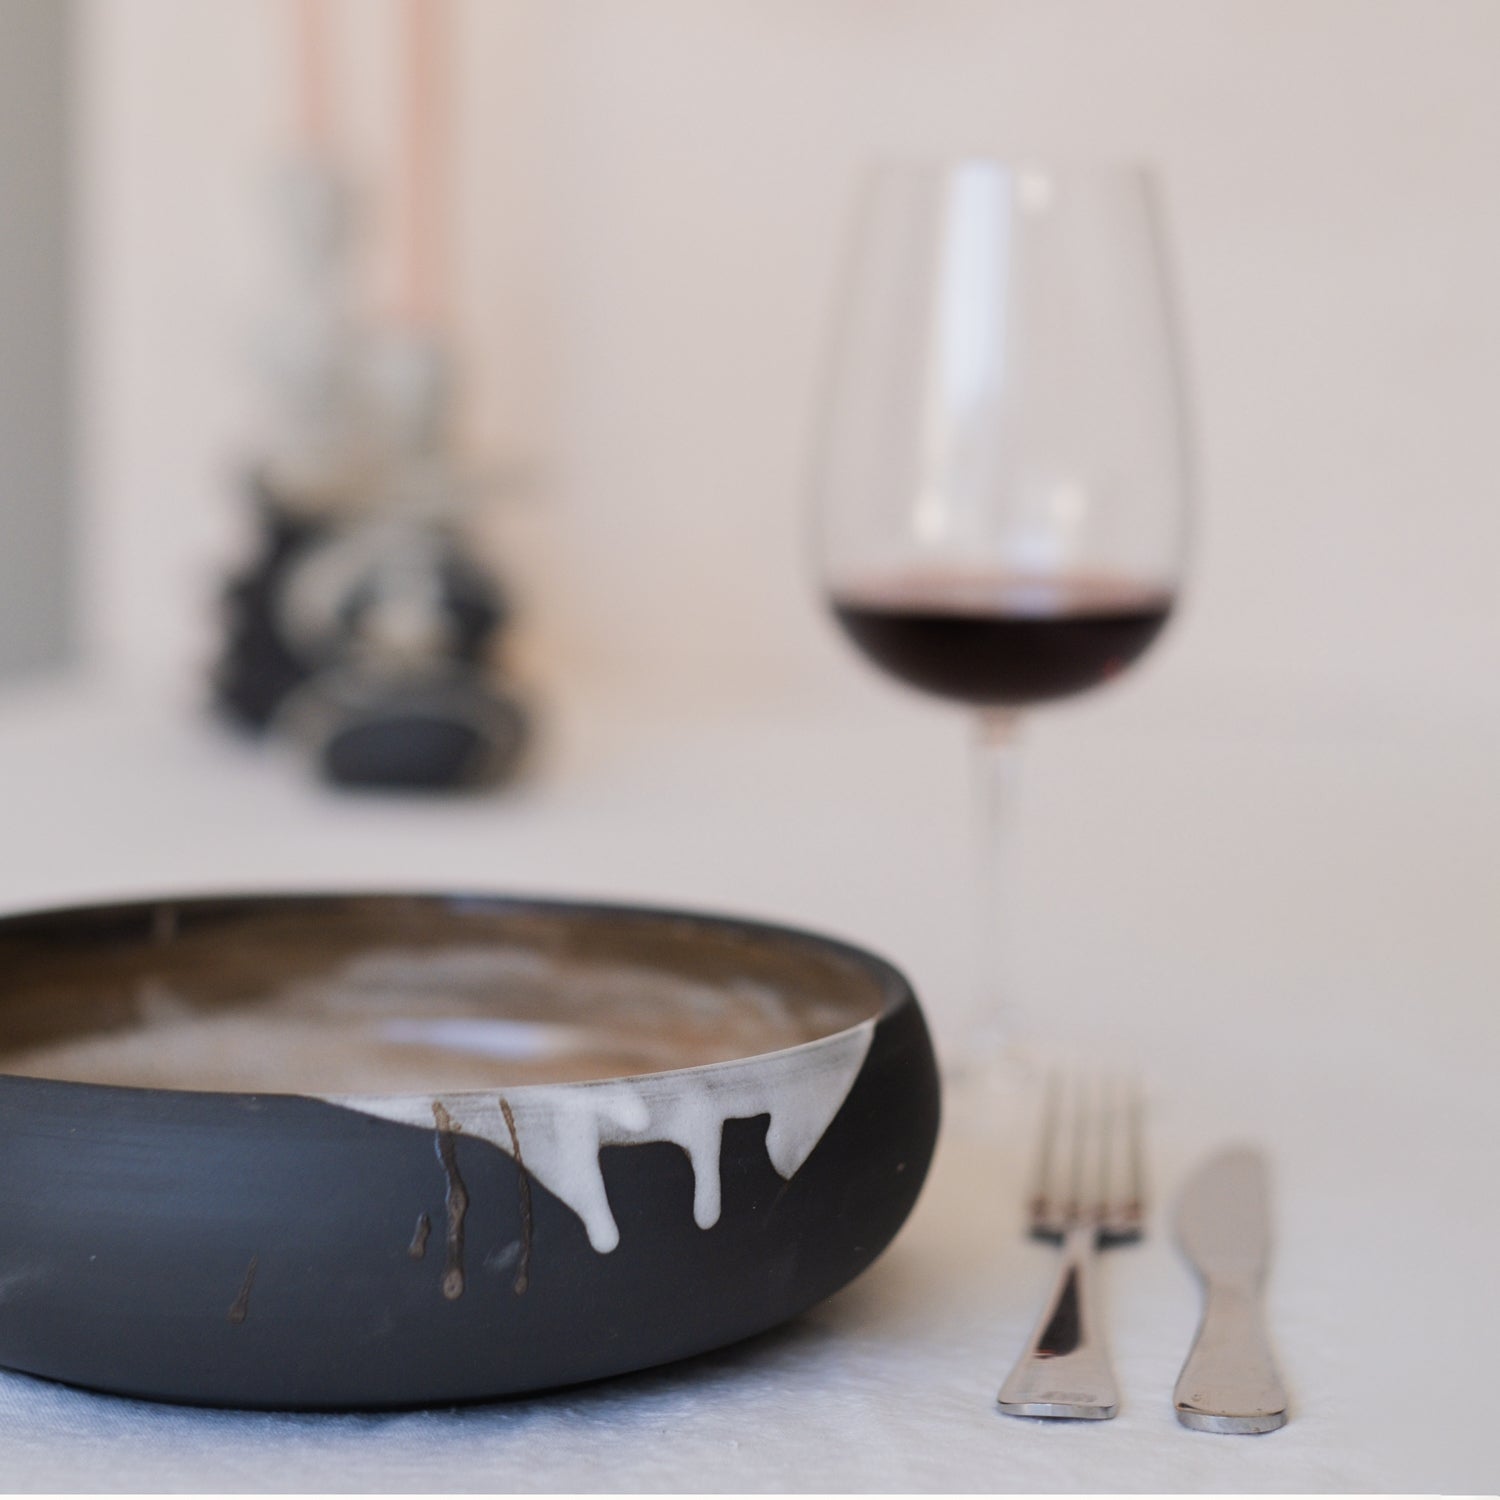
(389, 1150)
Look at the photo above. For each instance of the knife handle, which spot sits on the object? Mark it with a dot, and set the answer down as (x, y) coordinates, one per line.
(1229, 1383)
(1064, 1371)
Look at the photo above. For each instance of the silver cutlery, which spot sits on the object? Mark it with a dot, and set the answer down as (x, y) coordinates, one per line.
(1088, 1194)
(1229, 1383)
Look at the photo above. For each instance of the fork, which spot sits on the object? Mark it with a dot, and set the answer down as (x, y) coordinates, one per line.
(1088, 1194)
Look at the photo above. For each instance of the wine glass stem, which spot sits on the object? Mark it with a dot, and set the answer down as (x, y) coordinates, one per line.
(994, 1020)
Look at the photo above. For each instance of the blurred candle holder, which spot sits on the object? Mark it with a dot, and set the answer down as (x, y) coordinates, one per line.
(366, 627)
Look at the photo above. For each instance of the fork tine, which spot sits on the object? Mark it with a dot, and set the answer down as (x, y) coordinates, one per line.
(1077, 1198)
(1125, 1208)
(1106, 1132)
(1135, 1201)
(1045, 1209)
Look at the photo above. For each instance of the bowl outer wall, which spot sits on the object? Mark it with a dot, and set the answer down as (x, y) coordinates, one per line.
(258, 1250)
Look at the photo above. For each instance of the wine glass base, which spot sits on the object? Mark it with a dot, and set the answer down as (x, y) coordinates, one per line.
(985, 1073)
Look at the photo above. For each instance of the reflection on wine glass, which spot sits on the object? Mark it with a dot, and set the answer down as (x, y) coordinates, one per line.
(1002, 491)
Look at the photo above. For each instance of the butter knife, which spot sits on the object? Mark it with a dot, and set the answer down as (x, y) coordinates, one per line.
(1229, 1383)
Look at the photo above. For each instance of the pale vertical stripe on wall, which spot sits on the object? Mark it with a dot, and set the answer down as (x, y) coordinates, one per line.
(34, 425)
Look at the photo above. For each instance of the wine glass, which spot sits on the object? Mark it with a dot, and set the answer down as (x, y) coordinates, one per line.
(1002, 491)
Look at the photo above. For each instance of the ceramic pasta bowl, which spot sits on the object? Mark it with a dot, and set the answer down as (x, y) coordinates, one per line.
(361, 1151)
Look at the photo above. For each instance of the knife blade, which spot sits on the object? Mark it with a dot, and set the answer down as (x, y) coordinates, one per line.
(1229, 1382)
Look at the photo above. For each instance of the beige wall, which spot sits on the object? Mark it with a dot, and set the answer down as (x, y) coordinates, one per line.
(652, 193)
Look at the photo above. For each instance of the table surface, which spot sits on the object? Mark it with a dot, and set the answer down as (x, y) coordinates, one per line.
(1280, 903)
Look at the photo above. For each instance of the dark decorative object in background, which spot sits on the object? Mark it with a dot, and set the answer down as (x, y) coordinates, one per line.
(374, 710)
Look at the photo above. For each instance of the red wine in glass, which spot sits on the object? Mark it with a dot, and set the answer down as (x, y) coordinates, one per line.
(1002, 639)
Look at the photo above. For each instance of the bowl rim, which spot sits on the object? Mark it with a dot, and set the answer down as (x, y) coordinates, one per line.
(895, 989)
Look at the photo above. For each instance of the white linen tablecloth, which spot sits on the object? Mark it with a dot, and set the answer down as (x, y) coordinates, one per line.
(1285, 908)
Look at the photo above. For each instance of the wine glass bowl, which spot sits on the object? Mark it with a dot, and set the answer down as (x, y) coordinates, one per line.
(1003, 437)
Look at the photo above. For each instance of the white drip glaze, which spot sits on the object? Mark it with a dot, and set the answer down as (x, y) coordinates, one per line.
(560, 1128)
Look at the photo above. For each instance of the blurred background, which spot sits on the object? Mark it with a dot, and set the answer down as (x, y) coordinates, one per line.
(648, 203)
(646, 209)
(1268, 861)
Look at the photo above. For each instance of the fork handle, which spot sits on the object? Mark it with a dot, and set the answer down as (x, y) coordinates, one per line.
(1065, 1371)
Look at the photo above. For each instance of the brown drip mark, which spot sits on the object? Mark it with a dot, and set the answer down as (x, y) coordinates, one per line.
(523, 1177)
(456, 1201)
(239, 1309)
(418, 1247)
